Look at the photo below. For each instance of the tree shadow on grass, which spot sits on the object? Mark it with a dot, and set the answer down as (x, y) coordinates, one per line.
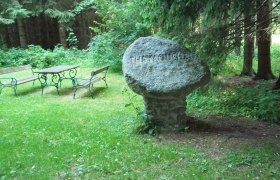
(24, 92)
(215, 134)
(82, 92)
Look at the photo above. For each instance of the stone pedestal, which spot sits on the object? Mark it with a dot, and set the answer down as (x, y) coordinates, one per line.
(163, 72)
(164, 112)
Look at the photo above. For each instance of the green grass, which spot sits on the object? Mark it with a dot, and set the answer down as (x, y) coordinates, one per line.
(56, 137)
(253, 101)
(233, 64)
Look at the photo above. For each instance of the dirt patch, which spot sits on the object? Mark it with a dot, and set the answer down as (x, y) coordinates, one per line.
(239, 80)
(246, 81)
(215, 134)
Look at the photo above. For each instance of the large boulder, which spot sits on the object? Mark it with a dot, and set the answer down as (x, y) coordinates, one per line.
(163, 72)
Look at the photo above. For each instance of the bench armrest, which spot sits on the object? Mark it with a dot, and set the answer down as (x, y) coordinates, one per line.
(13, 81)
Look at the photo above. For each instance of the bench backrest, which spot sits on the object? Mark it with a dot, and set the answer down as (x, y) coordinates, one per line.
(105, 69)
(15, 69)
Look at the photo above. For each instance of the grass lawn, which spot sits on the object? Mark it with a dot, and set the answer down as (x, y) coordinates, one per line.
(56, 137)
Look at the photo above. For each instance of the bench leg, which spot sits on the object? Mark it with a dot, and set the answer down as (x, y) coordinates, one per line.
(57, 90)
(42, 90)
(14, 87)
(90, 88)
(75, 90)
(105, 82)
(15, 90)
(1, 88)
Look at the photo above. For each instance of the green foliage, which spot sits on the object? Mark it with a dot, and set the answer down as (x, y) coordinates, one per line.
(102, 50)
(121, 24)
(275, 54)
(13, 57)
(10, 10)
(207, 27)
(255, 102)
(148, 126)
(65, 11)
(72, 40)
(40, 57)
(248, 157)
(6, 20)
(63, 16)
(262, 104)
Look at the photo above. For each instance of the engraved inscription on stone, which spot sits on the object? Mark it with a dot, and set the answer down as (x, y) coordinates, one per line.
(139, 60)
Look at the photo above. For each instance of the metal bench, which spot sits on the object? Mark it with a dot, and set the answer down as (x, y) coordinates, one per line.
(13, 82)
(89, 81)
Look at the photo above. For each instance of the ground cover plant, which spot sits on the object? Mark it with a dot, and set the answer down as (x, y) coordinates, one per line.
(56, 137)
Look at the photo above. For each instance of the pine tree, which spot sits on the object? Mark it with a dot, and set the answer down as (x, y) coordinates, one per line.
(249, 37)
(264, 39)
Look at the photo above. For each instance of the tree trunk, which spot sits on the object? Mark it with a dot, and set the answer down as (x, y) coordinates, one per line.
(47, 32)
(62, 35)
(53, 33)
(7, 38)
(39, 33)
(264, 40)
(277, 84)
(21, 32)
(31, 32)
(247, 69)
(13, 35)
(238, 34)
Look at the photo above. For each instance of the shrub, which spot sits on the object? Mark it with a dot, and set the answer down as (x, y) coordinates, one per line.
(254, 102)
(13, 57)
(41, 58)
(119, 28)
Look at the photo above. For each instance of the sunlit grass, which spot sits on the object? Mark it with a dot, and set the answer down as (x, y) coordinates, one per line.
(57, 137)
(233, 64)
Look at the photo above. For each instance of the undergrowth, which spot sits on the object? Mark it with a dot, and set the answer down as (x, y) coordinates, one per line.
(41, 58)
(257, 102)
(216, 98)
(147, 126)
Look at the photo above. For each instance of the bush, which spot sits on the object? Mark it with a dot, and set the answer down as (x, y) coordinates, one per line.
(122, 23)
(40, 58)
(255, 102)
(13, 57)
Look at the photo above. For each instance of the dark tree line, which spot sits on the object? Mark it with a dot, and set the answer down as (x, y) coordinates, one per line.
(46, 23)
(39, 30)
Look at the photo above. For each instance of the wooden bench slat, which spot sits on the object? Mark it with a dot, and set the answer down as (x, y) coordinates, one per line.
(87, 82)
(27, 79)
(21, 81)
(100, 70)
(14, 82)
(14, 69)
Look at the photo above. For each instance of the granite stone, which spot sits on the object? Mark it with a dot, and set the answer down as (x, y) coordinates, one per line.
(163, 72)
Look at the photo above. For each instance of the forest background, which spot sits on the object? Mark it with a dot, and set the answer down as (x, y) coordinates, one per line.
(233, 132)
(233, 37)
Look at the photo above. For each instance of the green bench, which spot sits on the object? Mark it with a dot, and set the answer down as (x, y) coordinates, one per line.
(95, 76)
(11, 81)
